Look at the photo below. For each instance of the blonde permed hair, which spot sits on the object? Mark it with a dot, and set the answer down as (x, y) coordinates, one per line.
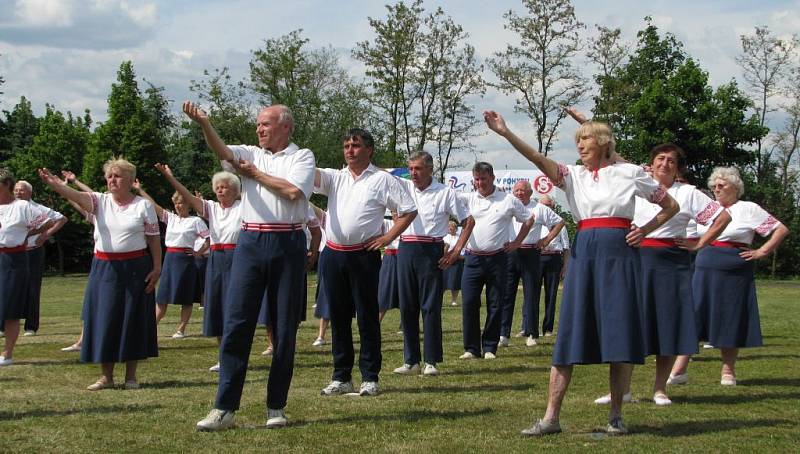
(121, 164)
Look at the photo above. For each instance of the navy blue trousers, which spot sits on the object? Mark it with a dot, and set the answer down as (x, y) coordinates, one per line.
(271, 262)
(550, 275)
(522, 263)
(35, 270)
(351, 282)
(420, 287)
(480, 270)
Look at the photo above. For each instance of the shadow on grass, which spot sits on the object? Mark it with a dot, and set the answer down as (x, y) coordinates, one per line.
(737, 399)
(745, 357)
(704, 427)
(770, 382)
(461, 389)
(178, 384)
(42, 413)
(499, 370)
(61, 362)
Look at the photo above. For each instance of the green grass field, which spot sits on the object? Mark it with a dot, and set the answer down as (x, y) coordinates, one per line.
(474, 406)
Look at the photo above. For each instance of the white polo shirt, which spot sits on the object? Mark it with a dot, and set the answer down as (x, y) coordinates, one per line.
(356, 205)
(435, 204)
(543, 217)
(607, 192)
(182, 232)
(492, 215)
(262, 206)
(122, 228)
(693, 205)
(224, 223)
(747, 219)
(16, 220)
(559, 244)
(51, 214)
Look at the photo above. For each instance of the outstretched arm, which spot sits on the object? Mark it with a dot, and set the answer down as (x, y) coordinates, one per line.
(82, 199)
(196, 114)
(496, 123)
(138, 187)
(193, 201)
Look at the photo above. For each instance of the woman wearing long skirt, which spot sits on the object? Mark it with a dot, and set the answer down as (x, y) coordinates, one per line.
(452, 274)
(119, 305)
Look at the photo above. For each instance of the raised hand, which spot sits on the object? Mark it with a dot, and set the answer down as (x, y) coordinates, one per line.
(495, 122)
(163, 168)
(69, 177)
(576, 114)
(246, 168)
(137, 185)
(194, 112)
(48, 178)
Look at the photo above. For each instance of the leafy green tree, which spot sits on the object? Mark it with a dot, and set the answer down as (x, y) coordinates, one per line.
(19, 128)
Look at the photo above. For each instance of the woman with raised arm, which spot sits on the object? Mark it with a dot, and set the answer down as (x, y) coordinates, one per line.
(599, 320)
(18, 220)
(119, 306)
(723, 285)
(179, 274)
(224, 224)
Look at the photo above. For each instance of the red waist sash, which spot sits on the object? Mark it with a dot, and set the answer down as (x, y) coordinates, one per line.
(604, 223)
(223, 246)
(120, 255)
(733, 244)
(270, 227)
(13, 250)
(659, 242)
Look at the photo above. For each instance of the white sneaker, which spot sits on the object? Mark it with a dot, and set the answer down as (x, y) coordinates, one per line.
(661, 400)
(489, 355)
(531, 341)
(370, 388)
(214, 368)
(548, 333)
(453, 303)
(467, 355)
(680, 379)
(337, 387)
(178, 335)
(6, 362)
(318, 342)
(430, 370)
(216, 420)
(520, 334)
(727, 380)
(605, 400)
(276, 419)
(29, 333)
(707, 346)
(503, 342)
(407, 369)
(268, 351)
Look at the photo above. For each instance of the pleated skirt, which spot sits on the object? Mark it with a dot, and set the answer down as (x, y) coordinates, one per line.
(388, 296)
(452, 275)
(218, 275)
(178, 279)
(13, 286)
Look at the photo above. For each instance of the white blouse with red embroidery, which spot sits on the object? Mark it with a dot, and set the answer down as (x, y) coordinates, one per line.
(747, 219)
(693, 205)
(122, 228)
(607, 192)
(16, 220)
(182, 232)
(224, 223)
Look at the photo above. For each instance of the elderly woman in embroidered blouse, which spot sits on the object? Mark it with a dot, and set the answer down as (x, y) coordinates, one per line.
(599, 320)
(119, 305)
(723, 286)
(18, 220)
(179, 273)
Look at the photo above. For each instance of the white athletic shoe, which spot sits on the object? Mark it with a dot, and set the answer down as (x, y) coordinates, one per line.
(430, 370)
(318, 342)
(29, 333)
(369, 388)
(179, 335)
(531, 341)
(467, 355)
(337, 387)
(214, 368)
(708, 346)
(605, 400)
(216, 420)
(489, 355)
(276, 419)
(503, 342)
(727, 380)
(680, 379)
(407, 369)
(6, 362)
(453, 303)
(268, 351)
(661, 400)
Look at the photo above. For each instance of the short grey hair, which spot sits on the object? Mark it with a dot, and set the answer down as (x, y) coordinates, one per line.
(26, 185)
(483, 167)
(227, 177)
(423, 156)
(525, 183)
(284, 115)
(729, 174)
(7, 178)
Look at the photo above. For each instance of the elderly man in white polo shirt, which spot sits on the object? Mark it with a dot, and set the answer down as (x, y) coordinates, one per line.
(358, 196)
(524, 263)
(491, 211)
(270, 255)
(419, 264)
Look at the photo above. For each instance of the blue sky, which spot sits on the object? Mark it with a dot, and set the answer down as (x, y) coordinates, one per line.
(66, 52)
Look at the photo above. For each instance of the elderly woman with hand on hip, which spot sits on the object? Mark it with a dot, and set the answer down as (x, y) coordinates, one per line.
(599, 320)
(723, 286)
(119, 307)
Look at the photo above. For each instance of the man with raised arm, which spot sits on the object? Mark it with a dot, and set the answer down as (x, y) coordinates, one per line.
(358, 196)
(278, 178)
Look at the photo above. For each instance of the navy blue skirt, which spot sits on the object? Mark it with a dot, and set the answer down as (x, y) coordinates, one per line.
(323, 308)
(388, 297)
(13, 286)
(452, 275)
(600, 318)
(667, 309)
(724, 292)
(178, 278)
(119, 317)
(200, 265)
(218, 274)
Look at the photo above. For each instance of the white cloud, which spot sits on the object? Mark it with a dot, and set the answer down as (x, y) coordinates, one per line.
(144, 15)
(44, 13)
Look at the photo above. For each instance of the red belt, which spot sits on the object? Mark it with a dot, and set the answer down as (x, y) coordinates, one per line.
(223, 246)
(256, 227)
(346, 248)
(528, 246)
(604, 223)
(728, 244)
(420, 239)
(658, 242)
(120, 255)
(390, 251)
(495, 252)
(13, 250)
(182, 250)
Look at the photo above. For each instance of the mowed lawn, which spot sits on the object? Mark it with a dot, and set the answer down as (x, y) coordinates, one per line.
(473, 406)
